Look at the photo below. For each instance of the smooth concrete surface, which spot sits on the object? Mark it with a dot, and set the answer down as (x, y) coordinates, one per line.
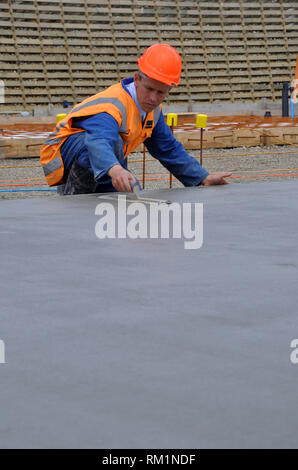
(142, 344)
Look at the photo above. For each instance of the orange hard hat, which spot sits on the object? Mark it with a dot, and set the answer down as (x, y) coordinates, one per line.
(162, 63)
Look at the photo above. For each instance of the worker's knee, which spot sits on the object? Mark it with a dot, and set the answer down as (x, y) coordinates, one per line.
(79, 181)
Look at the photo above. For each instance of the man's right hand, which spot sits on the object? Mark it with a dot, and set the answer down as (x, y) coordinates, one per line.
(121, 178)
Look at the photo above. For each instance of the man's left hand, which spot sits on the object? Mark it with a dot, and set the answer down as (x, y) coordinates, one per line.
(216, 178)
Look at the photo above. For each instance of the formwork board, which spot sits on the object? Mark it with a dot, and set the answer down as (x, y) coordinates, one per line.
(30, 146)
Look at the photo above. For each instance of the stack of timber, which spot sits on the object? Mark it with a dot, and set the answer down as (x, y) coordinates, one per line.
(56, 50)
(20, 145)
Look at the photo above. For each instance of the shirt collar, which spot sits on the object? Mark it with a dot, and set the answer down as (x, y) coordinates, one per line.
(129, 86)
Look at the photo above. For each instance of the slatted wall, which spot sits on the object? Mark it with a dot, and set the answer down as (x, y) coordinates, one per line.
(56, 50)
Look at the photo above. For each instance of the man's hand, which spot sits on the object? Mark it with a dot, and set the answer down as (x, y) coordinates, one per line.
(121, 178)
(216, 178)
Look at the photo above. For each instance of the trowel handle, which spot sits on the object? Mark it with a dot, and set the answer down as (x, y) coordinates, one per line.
(136, 187)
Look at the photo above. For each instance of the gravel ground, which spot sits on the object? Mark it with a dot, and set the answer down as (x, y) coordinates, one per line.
(276, 161)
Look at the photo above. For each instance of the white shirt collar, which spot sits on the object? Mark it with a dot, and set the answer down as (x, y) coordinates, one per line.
(133, 93)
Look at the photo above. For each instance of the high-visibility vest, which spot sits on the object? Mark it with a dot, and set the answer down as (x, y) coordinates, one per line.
(114, 101)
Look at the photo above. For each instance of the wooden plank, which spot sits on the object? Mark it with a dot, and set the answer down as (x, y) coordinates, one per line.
(263, 36)
(12, 120)
(20, 148)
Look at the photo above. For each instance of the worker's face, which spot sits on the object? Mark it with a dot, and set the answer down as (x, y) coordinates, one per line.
(150, 92)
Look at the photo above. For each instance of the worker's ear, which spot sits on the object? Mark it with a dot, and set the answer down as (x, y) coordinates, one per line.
(136, 78)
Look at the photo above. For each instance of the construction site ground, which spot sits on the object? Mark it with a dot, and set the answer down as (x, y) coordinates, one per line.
(279, 162)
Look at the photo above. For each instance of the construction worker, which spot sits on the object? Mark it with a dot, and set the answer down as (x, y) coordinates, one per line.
(88, 150)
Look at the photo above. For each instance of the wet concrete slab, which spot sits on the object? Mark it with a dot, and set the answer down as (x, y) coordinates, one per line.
(139, 343)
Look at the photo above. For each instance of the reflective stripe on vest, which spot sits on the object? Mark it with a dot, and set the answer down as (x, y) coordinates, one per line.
(113, 101)
(52, 166)
(51, 141)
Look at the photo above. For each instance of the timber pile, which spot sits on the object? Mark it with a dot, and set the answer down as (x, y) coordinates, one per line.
(20, 147)
(56, 50)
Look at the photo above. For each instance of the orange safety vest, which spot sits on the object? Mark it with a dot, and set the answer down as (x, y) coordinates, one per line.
(114, 101)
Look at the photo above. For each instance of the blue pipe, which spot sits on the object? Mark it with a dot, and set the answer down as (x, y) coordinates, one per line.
(292, 100)
(17, 190)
